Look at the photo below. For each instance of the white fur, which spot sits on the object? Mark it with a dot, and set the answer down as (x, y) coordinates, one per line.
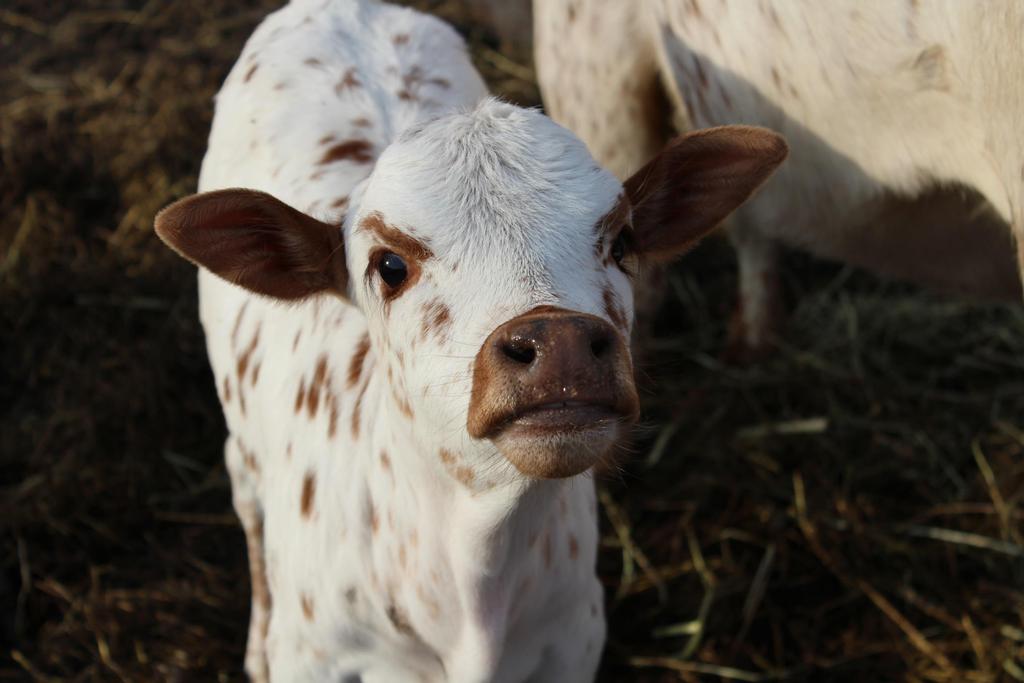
(492, 573)
(877, 99)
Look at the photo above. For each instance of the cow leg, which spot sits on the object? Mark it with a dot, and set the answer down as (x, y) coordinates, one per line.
(759, 312)
(241, 466)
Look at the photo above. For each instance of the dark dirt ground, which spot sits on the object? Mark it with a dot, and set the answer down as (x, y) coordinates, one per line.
(849, 509)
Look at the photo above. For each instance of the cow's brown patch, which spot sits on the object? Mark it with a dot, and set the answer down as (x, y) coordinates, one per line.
(464, 475)
(362, 122)
(350, 596)
(406, 95)
(301, 395)
(447, 457)
(355, 366)
(256, 373)
(437, 318)
(398, 619)
(227, 389)
(326, 140)
(356, 151)
(295, 342)
(348, 81)
(250, 73)
(385, 461)
(307, 607)
(308, 496)
(312, 61)
(340, 203)
(249, 459)
(400, 39)
(332, 415)
(357, 409)
(374, 518)
(315, 387)
(237, 325)
(574, 547)
(243, 360)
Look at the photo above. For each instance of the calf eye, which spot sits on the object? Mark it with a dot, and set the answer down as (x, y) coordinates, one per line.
(619, 247)
(392, 270)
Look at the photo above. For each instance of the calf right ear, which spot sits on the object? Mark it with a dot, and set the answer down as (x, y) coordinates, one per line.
(253, 240)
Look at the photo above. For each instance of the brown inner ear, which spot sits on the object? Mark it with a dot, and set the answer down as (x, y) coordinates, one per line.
(695, 183)
(258, 242)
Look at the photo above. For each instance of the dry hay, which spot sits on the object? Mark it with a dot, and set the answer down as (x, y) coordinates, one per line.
(849, 509)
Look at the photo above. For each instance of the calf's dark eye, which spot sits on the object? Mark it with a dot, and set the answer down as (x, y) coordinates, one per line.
(619, 248)
(392, 270)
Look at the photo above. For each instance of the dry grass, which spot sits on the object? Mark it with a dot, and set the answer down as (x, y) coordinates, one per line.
(850, 509)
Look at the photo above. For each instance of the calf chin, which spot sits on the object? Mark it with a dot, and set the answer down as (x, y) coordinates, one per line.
(557, 455)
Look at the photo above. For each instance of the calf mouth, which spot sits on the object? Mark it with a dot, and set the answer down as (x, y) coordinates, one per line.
(552, 417)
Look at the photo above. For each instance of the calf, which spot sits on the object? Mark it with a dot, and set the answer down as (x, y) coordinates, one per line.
(904, 120)
(418, 380)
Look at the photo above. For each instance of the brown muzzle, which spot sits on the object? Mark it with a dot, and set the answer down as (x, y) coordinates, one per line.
(554, 389)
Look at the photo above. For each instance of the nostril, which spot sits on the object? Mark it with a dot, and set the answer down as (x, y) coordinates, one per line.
(519, 350)
(599, 346)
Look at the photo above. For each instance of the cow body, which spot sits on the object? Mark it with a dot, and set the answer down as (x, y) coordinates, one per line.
(903, 121)
(368, 561)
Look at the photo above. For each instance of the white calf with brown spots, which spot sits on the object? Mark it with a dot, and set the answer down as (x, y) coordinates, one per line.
(416, 317)
(904, 118)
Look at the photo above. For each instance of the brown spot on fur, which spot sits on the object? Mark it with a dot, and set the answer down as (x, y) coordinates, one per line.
(326, 140)
(241, 399)
(393, 237)
(356, 409)
(332, 416)
(447, 457)
(319, 376)
(249, 74)
(356, 151)
(307, 607)
(227, 389)
(348, 80)
(574, 547)
(547, 550)
(362, 122)
(312, 61)
(385, 461)
(300, 397)
(399, 621)
(374, 519)
(401, 556)
(437, 317)
(402, 402)
(295, 342)
(238, 323)
(308, 494)
(243, 359)
(355, 366)
(405, 95)
(464, 475)
(256, 373)
(249, 460)
(400, 39)
(776, 78)
(339, 203)
(350, 596)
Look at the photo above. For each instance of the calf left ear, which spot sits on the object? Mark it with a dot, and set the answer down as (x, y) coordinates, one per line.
(258, 242)
(695, 182)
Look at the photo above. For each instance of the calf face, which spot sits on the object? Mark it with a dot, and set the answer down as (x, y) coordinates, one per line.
(492, 259)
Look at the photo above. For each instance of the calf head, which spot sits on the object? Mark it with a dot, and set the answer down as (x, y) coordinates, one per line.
(493, 261)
